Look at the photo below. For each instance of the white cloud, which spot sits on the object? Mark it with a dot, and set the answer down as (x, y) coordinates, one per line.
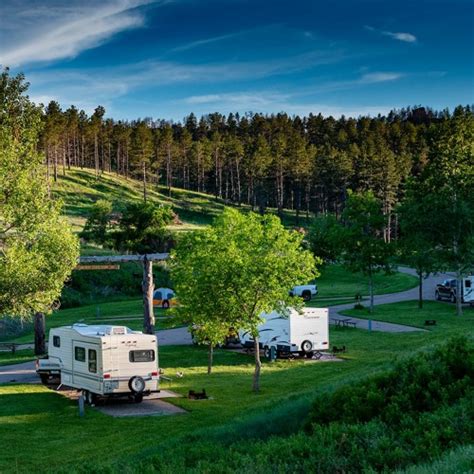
(406, 37)
(62, 30)
(375, 77)
(400, 36)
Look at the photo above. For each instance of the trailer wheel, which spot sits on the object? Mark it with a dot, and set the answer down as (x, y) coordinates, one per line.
(44, 378)
(306, 295)
(90, 398)
(165, 304)
(437, 296)
(138, 398)
(136, 384)
(267, 353)
(307, 346)
(453, 298)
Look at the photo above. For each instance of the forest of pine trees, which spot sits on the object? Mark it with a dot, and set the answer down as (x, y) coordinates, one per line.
(304, 164)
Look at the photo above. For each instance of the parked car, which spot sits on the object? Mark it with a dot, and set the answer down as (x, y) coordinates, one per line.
(164, 298)
(102, 361)
(447, 290)
(304, 291)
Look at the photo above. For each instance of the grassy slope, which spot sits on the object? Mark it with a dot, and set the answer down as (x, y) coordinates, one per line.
(29, 414)
(79, 189)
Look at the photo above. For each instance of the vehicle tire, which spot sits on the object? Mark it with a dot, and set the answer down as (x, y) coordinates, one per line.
(437, 296)
(90, 397)
(267, 353)
(44, 378)
(307, 346)
(138, 398)
(309, 355)
(452, 298)
(165, 304)
(306, 295)
(136, 384)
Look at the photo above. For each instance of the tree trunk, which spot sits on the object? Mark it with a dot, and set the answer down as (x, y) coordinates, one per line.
(371, 292)
(40, 334)
(144, 182)
(458, 292)
(420, 290)
(148, 287)
(210, 355)
(258, 366)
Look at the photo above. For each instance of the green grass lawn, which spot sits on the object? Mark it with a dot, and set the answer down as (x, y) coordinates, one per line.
(57, 438)
(79, 189)
(409, 314)
(7, 358)
(336, 281)
(125, 313)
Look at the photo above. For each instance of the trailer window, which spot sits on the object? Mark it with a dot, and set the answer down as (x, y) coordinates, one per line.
(56, 341)
(467, 283)
(80, 354)
(92, 361)
(141, 356)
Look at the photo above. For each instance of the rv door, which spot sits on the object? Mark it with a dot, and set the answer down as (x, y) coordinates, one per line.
(468, 290)
(85, 366)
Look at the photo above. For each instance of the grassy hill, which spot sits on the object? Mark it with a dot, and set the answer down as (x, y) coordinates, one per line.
(79, 189)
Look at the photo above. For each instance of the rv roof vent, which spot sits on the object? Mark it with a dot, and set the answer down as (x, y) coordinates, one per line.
(79, 325)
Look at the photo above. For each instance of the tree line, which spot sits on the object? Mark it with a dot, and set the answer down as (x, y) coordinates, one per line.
(305, 164)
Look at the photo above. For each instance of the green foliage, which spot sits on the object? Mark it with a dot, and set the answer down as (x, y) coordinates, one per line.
(240, 267)
(98, 222)
(38, 248)
(423, 383)
(142, 228)
(363, 247)
(324, 237)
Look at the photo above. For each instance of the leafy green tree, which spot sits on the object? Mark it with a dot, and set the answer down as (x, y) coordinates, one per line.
(142, 151)
(97, 227)
(324, 238)
(142, 228)
(416, 244)
(448, 182)
(237, 269)
(364, 249)
(38, 249)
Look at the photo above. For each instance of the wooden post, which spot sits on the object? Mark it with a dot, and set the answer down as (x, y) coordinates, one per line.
(148, 288)
(40, 334)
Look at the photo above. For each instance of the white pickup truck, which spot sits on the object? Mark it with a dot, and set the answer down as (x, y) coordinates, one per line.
(304, 291)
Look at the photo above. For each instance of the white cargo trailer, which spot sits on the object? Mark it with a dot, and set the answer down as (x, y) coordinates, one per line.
(102, 361)
(298, 333)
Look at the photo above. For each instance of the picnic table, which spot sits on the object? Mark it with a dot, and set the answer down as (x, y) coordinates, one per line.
(8, 346)
(344, 323)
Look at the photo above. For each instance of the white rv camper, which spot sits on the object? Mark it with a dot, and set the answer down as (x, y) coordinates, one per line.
(302, 334)
(105, 361)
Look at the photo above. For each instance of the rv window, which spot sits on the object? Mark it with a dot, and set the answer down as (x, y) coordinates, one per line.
(170, 295)
(141, 356)
(467, 283)
(80, 354)
(92, 360)
(56, 341)
(158, 295)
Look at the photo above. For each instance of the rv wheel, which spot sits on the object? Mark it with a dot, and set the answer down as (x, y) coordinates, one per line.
(44, 379)
(307, 346)
(138, 397)
(90, 398)
(437, 296)
(166, 304)
(267, 353)
(136, 385)
(453, 298)
(306, 295)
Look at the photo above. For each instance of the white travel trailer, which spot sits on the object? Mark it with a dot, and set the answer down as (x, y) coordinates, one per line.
(102, 361)
(302, 334)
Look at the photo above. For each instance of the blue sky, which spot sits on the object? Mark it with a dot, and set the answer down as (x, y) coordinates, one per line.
(165, 59)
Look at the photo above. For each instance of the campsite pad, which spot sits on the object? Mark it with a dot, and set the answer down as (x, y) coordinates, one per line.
(152, 405)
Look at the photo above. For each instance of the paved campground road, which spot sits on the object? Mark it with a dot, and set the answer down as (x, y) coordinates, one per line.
(25, 372)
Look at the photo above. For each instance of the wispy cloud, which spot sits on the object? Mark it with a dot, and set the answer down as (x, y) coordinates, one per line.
(400, 36)
(62, 30)
(206, 41)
